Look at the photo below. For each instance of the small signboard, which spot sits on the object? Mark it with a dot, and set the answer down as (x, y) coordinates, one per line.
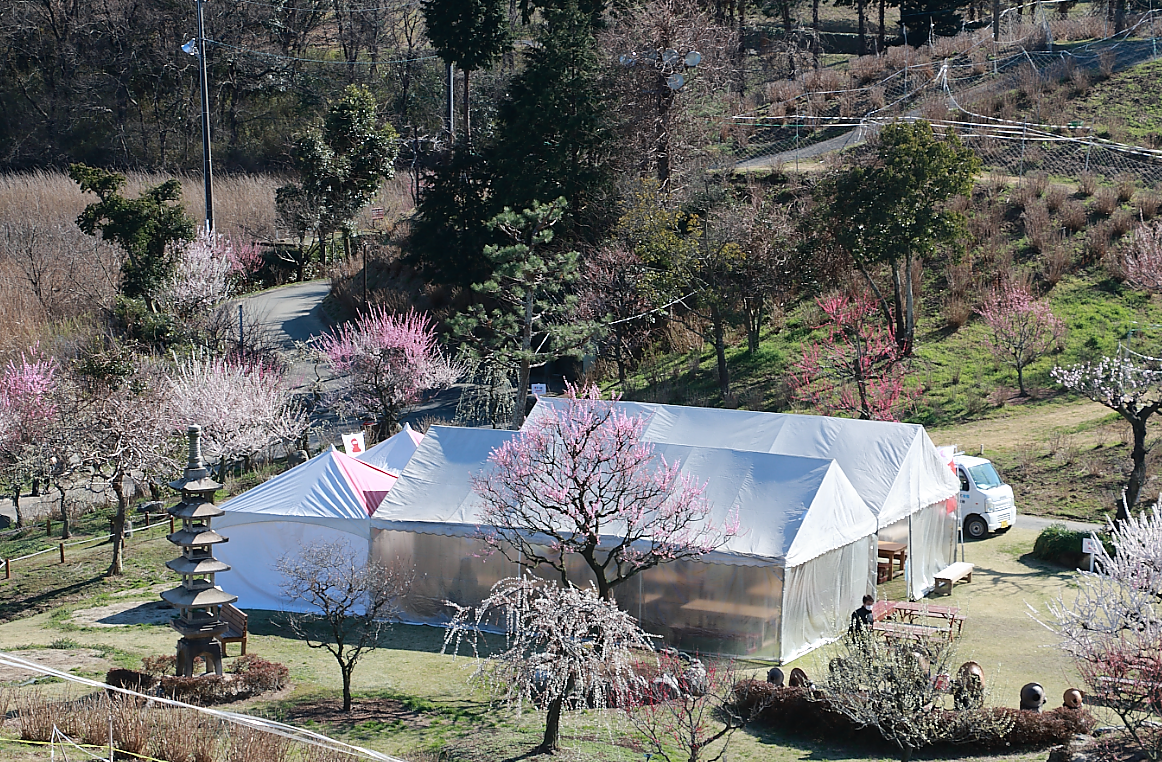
(1089, 545)
(353, 443)
(540, 389)
(377, 213)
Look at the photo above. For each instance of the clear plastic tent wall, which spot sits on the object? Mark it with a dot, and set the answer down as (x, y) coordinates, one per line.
(783, 585)
(893, 466)
(329, 498)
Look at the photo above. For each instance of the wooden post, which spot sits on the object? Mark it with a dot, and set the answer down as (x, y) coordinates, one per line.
(7, 568)
(48, 526)
(146, 521)
(171, 527)
(62, 547)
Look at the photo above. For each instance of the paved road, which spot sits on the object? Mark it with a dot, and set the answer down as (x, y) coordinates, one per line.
(289, 313)
(1041, 522)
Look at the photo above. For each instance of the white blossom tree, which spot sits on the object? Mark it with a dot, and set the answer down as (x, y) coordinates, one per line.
(383, 363)
(202, 276)
(580, 480)
(242, 407)
(565, 647)
(117, 424)
(1129, 388)
(1110, 628)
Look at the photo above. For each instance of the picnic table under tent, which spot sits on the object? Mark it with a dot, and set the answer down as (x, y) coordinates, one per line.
(893, 466)
(785, 584)
(393, 453)
(328, 498)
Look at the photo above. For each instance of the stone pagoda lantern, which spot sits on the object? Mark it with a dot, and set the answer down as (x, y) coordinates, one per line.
(198, 599)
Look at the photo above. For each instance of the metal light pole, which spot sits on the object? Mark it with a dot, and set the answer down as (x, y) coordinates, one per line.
(207, 174)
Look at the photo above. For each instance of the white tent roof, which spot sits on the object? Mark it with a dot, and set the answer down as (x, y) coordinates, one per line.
(330, 485)
(393, 453)
(791, 508)
(893, 466)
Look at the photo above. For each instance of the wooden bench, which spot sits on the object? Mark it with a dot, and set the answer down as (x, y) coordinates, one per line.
(236, 631)
(950, 575)
(917, 632)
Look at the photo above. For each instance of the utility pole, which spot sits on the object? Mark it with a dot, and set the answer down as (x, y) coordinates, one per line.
(451, 103)
(207, 174)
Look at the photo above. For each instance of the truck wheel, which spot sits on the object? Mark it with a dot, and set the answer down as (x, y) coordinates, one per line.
(975, 527)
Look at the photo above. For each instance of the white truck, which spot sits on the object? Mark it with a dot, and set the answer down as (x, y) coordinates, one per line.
(985, 501)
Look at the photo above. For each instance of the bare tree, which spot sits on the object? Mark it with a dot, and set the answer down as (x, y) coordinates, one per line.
(349, 602)
(692, 707)
(566, 647)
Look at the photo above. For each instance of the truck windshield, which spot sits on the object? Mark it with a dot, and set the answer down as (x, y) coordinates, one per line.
(985, 476)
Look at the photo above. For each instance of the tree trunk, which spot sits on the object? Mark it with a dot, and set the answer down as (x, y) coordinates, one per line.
(526, 345)
(861, 6)
(467, 114)
(881, 38)
(346, 670)
(16, 506)
(815, 31)
(720, 350)
(1138, 472)
(1021, 380)
(551, 741)
(909, 309)
(117, 566)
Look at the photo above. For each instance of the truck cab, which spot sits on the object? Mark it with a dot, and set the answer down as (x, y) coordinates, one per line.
(985, 501)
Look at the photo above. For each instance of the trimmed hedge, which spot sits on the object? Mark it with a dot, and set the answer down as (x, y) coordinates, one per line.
(801, 711)
(248, 676)
(1059, 545)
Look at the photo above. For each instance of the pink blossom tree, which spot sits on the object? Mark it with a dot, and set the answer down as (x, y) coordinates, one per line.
(580, 481)
(1142, 257)
(242, 407)
(27, 407)
(383, 363)
(564, 647)
(1021, 328)
(1129, 388)
(856, 368)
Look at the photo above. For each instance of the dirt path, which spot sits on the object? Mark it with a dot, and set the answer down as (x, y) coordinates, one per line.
(1017, 426)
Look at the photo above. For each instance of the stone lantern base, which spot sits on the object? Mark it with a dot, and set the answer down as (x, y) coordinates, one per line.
(189, 649)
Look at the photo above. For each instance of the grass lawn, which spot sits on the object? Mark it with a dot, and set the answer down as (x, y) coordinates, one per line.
(413, 701)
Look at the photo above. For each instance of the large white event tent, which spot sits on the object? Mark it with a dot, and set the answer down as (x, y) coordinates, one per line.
(779, 588)
(393, 453)
(893, 466)
(328, 498)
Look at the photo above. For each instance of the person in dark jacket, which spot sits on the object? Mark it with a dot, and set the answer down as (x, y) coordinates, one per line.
(862, 618)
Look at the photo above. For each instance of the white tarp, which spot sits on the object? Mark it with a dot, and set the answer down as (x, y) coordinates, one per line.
(791, 509)
(327, 499)
(893, 466)
(393, 453)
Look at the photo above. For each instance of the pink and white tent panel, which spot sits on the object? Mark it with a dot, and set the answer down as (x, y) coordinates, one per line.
(329, 498)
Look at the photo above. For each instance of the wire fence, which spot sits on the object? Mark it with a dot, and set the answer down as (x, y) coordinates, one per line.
(944, 91)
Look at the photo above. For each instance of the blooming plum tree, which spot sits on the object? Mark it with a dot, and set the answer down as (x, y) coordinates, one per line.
(856, 367)
(1142, 257)
(27, 406)
(1131, 389)
(1021, 328)
(383, 362)
(579, 480)
(207, 271)
(565, 647)
(1110, 629)
(242, 407)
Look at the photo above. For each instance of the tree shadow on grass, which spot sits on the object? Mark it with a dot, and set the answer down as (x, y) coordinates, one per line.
(401, 637)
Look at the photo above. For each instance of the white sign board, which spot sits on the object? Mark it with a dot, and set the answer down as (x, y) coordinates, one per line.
(1089, 545)
(353, 443)
(540, 389)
